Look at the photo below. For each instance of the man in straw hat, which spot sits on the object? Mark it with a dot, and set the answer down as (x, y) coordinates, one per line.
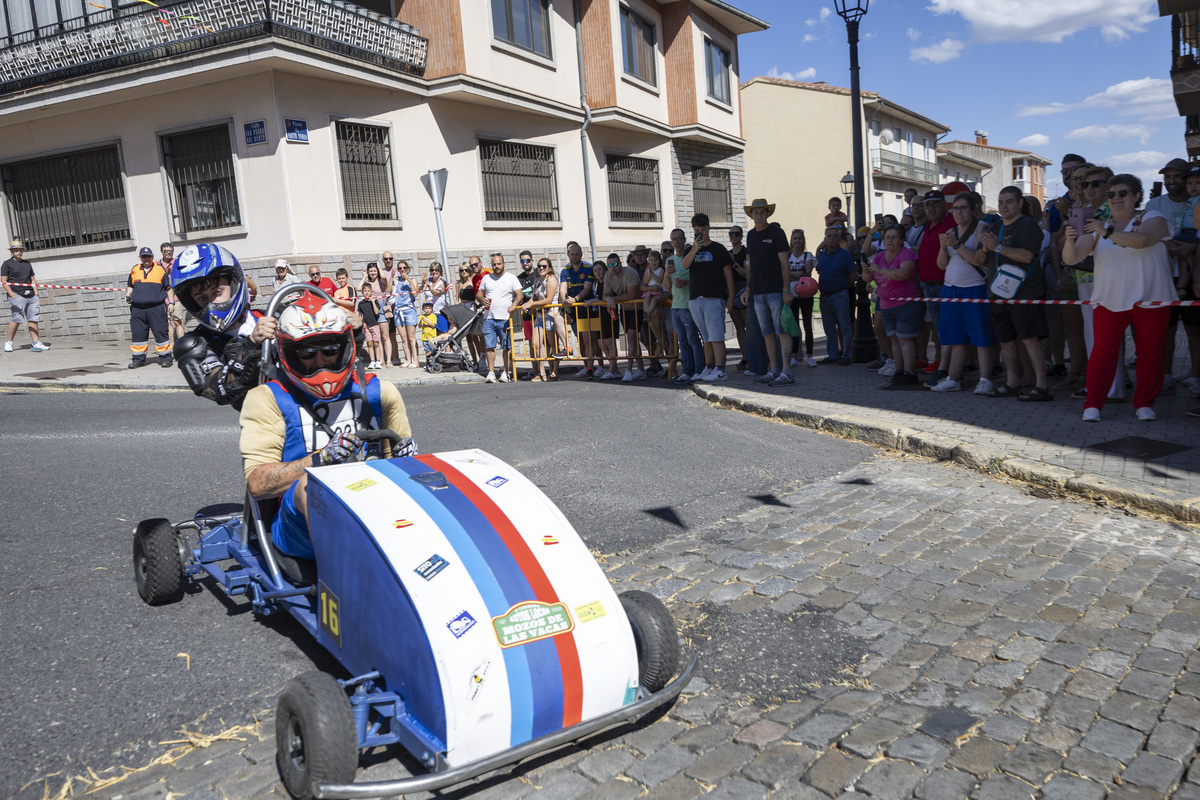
(767, 283)
(22, 299)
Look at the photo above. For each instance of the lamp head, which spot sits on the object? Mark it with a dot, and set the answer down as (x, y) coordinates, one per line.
(851, 10)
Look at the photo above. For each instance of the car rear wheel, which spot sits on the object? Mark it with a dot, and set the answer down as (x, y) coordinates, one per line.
(315, 737)
(157, 562)
(656, 638)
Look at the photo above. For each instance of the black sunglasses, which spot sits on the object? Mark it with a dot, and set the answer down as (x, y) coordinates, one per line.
(526, 260)
(1122, 193)
(1096, 184)
(305, 353)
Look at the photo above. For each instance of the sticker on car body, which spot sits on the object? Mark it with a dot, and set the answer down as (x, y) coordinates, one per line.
(431, 566)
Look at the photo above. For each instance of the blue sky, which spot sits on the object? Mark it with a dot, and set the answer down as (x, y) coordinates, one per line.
(1051, 76)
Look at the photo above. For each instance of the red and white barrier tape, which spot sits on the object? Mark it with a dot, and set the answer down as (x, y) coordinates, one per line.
(998, 301)
(60, 286)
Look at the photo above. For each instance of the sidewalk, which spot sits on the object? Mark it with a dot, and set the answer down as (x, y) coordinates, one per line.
(1153, 466)
(1149, 465)
(72, 364)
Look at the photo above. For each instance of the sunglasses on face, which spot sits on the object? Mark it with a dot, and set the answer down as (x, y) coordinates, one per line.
(1096, 184)
(526, 260)
(307, 353)
(735, 233)
(1121, 193)
(385, 258)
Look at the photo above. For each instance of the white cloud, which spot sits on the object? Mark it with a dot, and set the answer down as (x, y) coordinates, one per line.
(808, 37)
(1034, 140)
(1140, 159)
(940, 53)
(1041, 21)
(1104, 133)
(913, 34)
(1148, 99)
(802, 75)
(825, 14)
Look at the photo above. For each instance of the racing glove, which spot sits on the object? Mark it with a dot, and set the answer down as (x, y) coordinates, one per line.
(340, 448)
(406, 447)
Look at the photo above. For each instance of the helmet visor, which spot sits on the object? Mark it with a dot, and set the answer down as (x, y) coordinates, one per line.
(310, 356)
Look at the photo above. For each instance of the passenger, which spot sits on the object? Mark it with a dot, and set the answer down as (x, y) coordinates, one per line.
(308, 417)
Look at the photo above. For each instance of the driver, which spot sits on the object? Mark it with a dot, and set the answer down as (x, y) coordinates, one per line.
(220, 359)
(308, 417)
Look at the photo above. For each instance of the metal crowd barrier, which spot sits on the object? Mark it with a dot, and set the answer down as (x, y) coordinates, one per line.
(583, 342)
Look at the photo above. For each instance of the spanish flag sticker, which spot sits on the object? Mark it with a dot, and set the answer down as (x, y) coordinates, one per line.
(548, 539)
(403, 523)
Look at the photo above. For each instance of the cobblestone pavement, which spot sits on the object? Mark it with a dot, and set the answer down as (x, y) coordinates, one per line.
(906, 629)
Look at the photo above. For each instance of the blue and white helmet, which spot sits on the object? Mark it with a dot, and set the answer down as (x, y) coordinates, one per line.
(201, 263)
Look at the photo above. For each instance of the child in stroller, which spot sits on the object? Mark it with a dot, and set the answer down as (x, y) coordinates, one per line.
(449, 349)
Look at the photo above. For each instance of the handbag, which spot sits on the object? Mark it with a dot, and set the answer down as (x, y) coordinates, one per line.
(1008, 278)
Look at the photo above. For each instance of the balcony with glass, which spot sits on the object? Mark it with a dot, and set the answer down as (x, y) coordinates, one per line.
(887, 164)
(50, 41)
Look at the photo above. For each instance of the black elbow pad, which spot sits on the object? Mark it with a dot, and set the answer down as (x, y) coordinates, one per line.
(196, 361)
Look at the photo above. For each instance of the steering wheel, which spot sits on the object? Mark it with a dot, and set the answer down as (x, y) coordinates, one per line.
(398, 442)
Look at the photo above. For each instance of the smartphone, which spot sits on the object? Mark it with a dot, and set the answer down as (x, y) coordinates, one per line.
(879, 217)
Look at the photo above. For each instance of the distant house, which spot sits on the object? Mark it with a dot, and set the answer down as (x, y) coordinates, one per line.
(799, 146)
(954, 166)
(1010, 167)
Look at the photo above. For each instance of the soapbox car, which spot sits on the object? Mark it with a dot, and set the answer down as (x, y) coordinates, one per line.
(476, 626)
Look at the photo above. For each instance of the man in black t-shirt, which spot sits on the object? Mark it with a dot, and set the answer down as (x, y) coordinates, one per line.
(1017, 241)
(769, 275)
(23, 301)
(711, 295)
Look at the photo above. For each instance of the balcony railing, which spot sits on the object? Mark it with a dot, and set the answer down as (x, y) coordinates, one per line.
(898, 166)
(121, 37)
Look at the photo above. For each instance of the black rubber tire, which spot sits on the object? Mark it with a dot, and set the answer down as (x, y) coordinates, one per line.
(435, 366)
(157, 562)
(315, 737)
(656, 638)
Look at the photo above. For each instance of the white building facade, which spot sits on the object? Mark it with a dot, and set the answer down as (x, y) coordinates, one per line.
(301, 130)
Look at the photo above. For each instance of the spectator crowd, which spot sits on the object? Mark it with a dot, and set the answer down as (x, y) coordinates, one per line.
(664, 312)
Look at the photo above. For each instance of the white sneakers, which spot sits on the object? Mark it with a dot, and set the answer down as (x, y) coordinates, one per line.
(812, 362)
(707, 374)
(503, 377)
(39, 346)
(984, 386)
(8, 347)
(491, 378)
(888, 369)
(946, 385)
(1145, 414)
(1093, 414)
(633, 375)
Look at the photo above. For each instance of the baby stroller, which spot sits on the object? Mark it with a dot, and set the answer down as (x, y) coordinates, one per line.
(450, 352)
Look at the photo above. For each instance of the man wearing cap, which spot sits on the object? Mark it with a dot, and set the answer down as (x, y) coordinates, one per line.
(146, 293)
(929, 274)
(768, 282)
(284, 274)
(1174, 205)
(23, 302)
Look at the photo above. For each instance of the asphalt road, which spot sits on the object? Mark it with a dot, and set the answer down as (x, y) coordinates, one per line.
(93, 677)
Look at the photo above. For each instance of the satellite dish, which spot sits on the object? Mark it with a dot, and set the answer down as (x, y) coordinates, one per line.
(886, 137)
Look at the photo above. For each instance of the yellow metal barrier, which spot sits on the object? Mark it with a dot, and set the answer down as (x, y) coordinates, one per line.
(596, 334)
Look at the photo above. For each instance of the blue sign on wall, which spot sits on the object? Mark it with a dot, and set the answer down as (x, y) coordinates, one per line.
(256, 132)
(297, 130)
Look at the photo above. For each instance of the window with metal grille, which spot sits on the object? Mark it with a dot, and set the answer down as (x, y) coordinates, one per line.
(716, 66)
(637, 45)
(633, 194)
(365, 160)
(710, 192)
(523, 23)
(199, 167)
(68, 199)
(518, 182)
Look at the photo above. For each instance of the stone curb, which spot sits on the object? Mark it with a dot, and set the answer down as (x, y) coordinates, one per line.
(1166, 502)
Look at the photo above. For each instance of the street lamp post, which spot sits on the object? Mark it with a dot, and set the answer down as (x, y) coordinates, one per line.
(865, 347)
(852, 11)
(847, 182)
